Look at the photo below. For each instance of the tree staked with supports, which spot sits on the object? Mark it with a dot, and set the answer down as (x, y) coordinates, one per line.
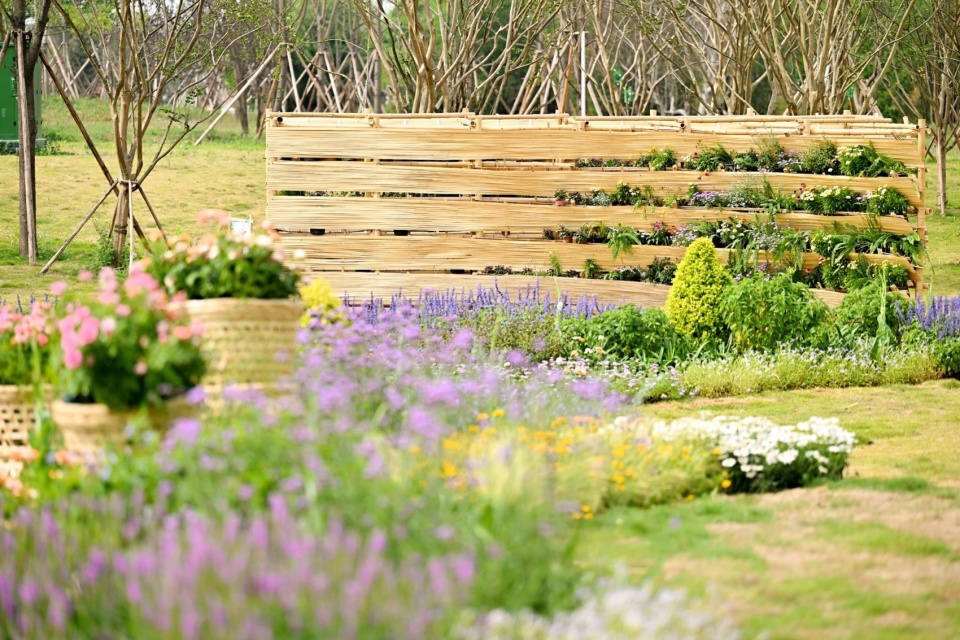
(152, 58)
(27, 45)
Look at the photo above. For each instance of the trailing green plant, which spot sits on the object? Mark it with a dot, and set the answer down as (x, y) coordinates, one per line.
(693, 304)
(821, 157)
(763, 313)
(621, 240)
(863, 161)
(591, 269)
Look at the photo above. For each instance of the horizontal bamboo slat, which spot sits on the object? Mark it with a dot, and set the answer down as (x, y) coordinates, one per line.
(302, 213)
(519, 144)
(361, 176)
(365, 286)
(442, 253)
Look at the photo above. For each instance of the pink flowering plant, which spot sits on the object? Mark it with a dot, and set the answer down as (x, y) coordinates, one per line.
(230, 265)
(24, 342)
(128, 347)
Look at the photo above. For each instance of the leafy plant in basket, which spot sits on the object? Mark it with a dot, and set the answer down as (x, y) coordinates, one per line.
(621, 240)
(230, 265)
(127, 348)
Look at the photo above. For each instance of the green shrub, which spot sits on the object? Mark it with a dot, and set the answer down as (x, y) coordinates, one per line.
(693, 304)
(820, 158)
(947, 355)
(763, 313)
(860, 310)
(626, 332)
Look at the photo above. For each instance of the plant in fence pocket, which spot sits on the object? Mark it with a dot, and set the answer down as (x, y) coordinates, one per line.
(886, 201)
(709, 158)
(660, 160)
(621, 240)
(746, 161)
(658, 236)
(555, 265)
(661, 271)
(591, 270)
(497, 270)
(560, 197)
(821, 157)
(564, 234)
(863, 161)
(548, 234)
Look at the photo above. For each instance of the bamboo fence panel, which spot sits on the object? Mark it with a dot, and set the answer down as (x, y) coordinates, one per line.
(286, 175)
(442, 253)
(476, 175)
(443, 144)
(302, 213)
(360, 287)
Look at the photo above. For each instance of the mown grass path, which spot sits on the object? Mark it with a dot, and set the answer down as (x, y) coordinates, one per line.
(876, 555)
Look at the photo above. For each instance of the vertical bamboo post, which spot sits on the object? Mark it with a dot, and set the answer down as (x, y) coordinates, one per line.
(922, 188)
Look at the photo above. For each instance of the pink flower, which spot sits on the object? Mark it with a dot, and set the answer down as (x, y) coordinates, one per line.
(123, 310)
(109, 297)
(140, 368)
(139, 281)
(196, 327)
(108, 325)
(58, 288)
(42, 339)
(108, 279)
(89, 329)
(84, 276)
(72, 359)
(182, 333)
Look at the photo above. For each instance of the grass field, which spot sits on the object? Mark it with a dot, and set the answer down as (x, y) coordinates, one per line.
(226, 172)
(876, 555)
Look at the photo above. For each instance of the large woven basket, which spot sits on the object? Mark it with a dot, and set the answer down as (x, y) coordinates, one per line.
(16, 417)
(16, 422)
(247, 341)
(90, 427)
(87, 427)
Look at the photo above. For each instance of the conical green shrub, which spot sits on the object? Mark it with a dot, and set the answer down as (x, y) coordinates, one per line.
(694, 303)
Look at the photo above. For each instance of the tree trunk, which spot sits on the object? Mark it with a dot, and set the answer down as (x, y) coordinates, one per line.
(27, 121)
(941, 137)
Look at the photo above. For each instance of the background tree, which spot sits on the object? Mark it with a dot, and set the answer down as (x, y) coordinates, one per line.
(27, 46)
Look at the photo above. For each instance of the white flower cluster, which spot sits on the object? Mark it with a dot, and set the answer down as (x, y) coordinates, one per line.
(755, 445)
(879, 193)
(622, 613)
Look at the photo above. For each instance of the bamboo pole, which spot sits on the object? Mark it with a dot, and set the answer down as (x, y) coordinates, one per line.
(26, 148)
(80, 226)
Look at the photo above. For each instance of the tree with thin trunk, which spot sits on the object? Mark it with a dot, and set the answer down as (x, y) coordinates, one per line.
(153, 57)
(27, 47)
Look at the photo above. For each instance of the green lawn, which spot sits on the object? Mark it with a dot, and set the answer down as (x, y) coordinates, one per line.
(876, 555)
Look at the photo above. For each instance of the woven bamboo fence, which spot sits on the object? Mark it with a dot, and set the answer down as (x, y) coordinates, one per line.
(382, 202)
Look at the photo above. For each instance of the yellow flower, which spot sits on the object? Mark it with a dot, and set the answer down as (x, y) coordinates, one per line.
(483, 416)
(717, 452)
(689, 498)
(588, 516)
(576, 516)
(474, 428)
(586, 508)
(499, 413)
(414, 449)
(447, 470)
(726, 484)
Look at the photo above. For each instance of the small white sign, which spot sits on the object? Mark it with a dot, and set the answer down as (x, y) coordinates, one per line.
(242, 226)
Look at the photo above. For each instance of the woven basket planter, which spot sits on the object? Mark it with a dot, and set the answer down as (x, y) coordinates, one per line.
(16, 421)
(247, 341)
(90, 427)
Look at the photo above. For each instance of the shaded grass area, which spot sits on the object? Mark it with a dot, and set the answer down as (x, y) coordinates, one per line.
(226, 172)
(876, 555)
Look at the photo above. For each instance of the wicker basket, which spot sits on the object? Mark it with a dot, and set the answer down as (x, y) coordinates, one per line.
(16, 419)
(247, 341)
(88, 427)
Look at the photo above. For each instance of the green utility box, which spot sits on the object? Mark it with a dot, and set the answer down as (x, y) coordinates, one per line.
(9, 115)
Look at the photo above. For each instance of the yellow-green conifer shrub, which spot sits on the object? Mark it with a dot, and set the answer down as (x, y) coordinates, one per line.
(694, 303)
(318, 297)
